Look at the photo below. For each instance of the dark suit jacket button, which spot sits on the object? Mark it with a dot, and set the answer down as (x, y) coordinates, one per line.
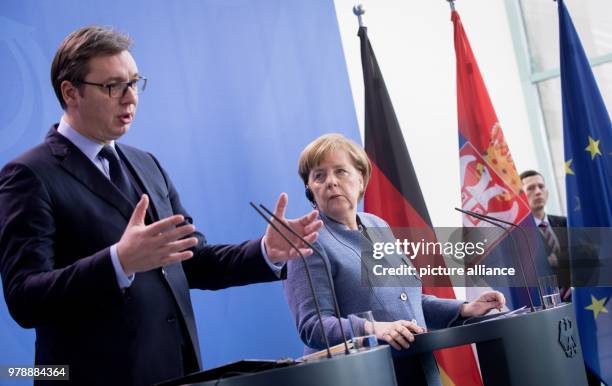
(126, 294)
(171, 319)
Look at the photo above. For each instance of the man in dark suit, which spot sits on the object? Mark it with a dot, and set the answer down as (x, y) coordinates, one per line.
(96, 251)
(553, 229)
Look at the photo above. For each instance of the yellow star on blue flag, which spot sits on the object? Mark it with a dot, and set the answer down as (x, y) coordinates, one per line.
(597, 306)
(593, 147)
(568, 167)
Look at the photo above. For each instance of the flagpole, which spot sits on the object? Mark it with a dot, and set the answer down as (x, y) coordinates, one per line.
(451, 3)
(359, 10)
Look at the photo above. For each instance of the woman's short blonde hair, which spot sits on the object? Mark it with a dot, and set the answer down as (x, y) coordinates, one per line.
(313, 154)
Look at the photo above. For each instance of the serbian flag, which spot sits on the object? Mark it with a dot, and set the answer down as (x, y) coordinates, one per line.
(490, 184)
(394, 194)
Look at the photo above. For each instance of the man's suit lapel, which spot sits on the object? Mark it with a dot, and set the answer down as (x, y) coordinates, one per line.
(557, 221)
(79, 166)
(138, 171)
(149, 176)
(559, 227)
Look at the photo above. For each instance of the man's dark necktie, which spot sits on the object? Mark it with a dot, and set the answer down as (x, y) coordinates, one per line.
(118, 174)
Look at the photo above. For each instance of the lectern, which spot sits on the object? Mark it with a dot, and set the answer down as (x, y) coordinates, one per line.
(364, 368)
(529, 349)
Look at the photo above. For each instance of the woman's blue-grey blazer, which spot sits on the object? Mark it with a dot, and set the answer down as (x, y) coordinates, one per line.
(390, 299)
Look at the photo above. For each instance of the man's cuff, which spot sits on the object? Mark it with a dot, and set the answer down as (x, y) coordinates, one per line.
(277, 268)
(123, 280)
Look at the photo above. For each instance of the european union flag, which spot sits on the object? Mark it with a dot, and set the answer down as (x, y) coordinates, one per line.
(587, 134)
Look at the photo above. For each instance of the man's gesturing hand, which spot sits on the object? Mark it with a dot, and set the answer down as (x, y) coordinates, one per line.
(145, 247)
(277, 248)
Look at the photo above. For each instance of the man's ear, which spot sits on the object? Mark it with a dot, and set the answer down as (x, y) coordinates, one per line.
(70, 93)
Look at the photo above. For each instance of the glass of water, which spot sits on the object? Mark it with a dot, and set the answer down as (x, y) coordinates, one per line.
(550, 291)
(360, 338)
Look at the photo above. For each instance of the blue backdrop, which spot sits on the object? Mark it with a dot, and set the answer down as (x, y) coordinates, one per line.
(236, 89)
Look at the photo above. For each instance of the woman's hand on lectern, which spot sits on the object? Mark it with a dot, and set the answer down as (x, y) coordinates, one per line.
(485, 303)
(398, 334)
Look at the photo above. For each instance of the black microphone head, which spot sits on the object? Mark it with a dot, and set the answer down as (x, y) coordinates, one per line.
(309, 195)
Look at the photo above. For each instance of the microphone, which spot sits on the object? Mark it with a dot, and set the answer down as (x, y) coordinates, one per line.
(329, 279)
(529, 248)
(312, 290)
(495, 221)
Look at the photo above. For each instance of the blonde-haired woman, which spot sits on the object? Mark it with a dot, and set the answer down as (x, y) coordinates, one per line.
(335, 172)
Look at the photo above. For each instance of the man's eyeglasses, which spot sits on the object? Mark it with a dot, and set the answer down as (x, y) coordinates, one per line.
(118, 89)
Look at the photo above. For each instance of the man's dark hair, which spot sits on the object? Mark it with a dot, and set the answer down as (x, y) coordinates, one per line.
(530, 173)
(72, 57)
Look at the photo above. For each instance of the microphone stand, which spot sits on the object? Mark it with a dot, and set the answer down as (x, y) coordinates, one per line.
(312, 290)
(495, 222)
(329, 279)
(529, 249)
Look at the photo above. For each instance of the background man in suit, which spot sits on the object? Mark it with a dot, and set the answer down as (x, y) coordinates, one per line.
(552, 228)
(96, 251)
